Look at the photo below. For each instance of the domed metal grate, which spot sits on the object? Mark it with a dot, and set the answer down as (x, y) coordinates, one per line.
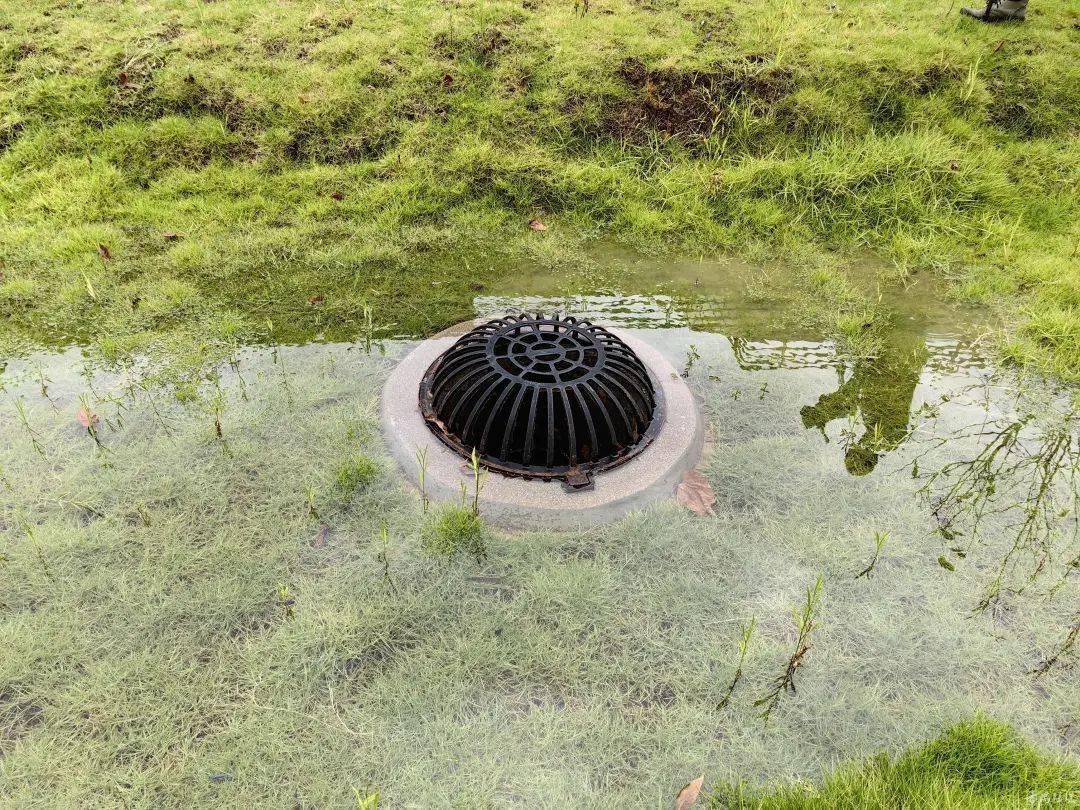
(541, 397)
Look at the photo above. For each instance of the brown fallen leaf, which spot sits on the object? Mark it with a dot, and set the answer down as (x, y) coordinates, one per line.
(104, 253)
(337, 196)
(322, 538)
(695, 493)
(537, 225)
(315, 300)
(171, 236)
(447, 80)
(954, 166)
(88, 419)
(122, 78)
(689, 794)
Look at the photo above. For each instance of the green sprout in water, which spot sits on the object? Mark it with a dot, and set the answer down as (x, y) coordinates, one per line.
(805, 622)
(744, 646)
(421, 465)
(384, 558)
(879, 543)
(309, 498)
(28, 529)
(217, 409)
(480, 476)
(35, 437)
(367, 327)
(692, 356)
(286, 601)
(369, 801)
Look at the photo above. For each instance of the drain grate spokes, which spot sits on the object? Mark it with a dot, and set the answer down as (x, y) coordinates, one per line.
(541, 397)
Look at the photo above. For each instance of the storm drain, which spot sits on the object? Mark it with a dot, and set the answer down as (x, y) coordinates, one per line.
(554, 398)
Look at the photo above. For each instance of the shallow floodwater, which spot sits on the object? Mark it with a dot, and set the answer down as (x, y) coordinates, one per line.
(206, 540)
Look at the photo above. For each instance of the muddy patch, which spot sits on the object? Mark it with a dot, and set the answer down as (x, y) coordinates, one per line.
(693, 104)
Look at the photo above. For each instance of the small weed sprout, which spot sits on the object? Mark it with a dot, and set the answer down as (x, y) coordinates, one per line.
(744, 646)
(286, 601)
(805, 622)
(28, 530)
(479, 476)
(35, 437)
(88, 419)
(421, 465)
(692, 356)
(384, 558)
(367, 327)
(43, 382)
(309, 499)
(879, 542)
(1063, 649)
(368, 802)
(217, 408)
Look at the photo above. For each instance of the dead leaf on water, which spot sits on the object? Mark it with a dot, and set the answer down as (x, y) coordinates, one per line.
(695, 493)
(689, 794)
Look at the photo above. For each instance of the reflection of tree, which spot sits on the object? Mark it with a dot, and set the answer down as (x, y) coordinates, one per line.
(1026, 475)
(879, 390)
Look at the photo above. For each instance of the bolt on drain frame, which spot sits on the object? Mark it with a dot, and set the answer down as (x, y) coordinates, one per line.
(555, 398)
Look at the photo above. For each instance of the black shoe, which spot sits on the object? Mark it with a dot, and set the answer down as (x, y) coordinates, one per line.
(1000, 11)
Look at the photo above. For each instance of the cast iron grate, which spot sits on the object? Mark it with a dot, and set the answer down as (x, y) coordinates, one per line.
(541, 397)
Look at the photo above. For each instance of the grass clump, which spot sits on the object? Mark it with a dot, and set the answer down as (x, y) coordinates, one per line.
(976, 765)
(355, 474)
(453, 530)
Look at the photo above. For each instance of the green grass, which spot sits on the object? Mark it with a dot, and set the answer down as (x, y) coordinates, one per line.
(258, 619)
(355, 473)
(453, 530)
(978, 765)
(263, 172)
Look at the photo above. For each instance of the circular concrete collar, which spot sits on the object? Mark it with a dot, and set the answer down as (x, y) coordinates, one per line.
(650, 476)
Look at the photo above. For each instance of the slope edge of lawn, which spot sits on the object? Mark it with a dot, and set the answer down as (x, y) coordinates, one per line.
(195, 177)
(976, 764)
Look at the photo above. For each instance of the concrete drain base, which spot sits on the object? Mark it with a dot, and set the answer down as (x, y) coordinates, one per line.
(519, 503)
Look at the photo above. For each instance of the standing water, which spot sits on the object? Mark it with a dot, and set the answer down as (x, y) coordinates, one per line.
(233, 579)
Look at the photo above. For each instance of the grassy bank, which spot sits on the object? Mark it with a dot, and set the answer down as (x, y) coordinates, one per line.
(979, 765)
(202, 174)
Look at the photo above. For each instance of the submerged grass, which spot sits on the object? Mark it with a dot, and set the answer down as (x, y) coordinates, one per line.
(180, 626)
(202, 175)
